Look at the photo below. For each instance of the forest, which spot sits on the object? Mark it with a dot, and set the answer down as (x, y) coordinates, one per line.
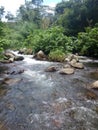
(70, 27)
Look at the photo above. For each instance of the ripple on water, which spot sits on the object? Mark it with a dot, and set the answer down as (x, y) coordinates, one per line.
(38, 77)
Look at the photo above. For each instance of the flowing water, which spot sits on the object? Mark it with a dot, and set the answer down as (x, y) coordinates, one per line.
(47, 100)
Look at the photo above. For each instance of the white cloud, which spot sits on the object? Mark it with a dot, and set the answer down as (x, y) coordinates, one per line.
(11, 5)
(52, 4)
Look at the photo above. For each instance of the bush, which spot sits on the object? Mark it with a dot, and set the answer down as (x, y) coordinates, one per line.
(48, 40)
(87, 42)
(57, 55)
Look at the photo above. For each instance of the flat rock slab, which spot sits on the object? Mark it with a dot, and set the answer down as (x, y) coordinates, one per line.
(67, 71)
(77, 65)
(11, 81)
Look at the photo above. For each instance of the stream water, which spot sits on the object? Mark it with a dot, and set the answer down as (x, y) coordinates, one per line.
(48, 101)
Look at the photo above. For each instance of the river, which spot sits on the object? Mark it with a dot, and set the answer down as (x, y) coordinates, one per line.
(48, 100)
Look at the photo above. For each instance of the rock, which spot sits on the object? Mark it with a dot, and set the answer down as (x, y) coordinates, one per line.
(91, 95)
(94, 85)
(3, 126)
(94, 74)
(77, 65)
(40, 55)
(15, 72)
(51, 69)
(10, 81)
(9, 54)
(5, 61)
(67, 66)
(18, 58)
(28, 52)
(67, 71)
(22, 51)
(11, 60)
(67, 59)
(72, 57)
(73, 61)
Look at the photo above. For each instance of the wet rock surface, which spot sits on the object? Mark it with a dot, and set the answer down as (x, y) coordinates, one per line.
(47, 101)
(94, 85)
(51, 69)
(67, 71)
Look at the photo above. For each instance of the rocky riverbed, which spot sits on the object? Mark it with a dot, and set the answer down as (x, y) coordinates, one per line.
(32, 98)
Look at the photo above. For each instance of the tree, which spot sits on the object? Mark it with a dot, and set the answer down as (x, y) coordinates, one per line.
(1, 12)
(9, 16)
(37, 3)
(75, 15)
(92, 11)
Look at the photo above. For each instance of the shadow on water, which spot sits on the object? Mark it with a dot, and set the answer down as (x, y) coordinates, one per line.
(49, 101)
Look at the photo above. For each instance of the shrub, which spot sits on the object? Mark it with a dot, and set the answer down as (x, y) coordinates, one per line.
(57, 55)
(48, 40)
(87, 42)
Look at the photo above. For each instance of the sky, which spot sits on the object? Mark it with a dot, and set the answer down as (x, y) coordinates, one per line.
(13, 5)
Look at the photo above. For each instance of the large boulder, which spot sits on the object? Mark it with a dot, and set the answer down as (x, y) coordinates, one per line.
(18, 58)
(67, 71)
(40, 55)
(9, 54)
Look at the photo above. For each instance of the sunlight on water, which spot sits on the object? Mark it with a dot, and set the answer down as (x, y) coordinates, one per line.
(30, 60)
(61, 100)
(38, 78)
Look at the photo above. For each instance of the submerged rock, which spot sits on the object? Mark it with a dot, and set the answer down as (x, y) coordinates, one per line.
(94, 74)
(91, 95)
(15, 72)
(5, 61)
(10, 81)
(50, 69)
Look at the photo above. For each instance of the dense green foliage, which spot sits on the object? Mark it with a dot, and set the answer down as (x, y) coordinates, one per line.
(87, 42)
(57, 55)
(75, 15)
(72, 28)
(48, 40)
(3, 41)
